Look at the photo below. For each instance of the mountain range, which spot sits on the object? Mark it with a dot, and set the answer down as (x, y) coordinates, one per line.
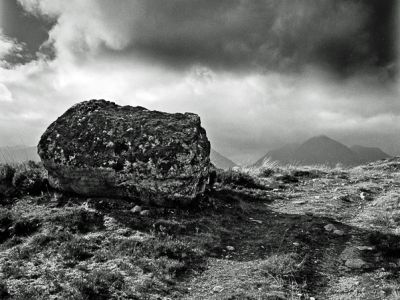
(323, 150)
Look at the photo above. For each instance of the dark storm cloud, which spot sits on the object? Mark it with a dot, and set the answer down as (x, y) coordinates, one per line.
(344, 36)
(27, 30)
(259, 73)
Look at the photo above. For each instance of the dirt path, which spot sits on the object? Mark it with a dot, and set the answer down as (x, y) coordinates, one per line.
(339, 226)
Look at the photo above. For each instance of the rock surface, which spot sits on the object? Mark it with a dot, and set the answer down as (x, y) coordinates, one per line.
(98, 148)
(355, 263)
(136, 209)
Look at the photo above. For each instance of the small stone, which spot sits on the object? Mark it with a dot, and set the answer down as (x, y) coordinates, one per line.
(338, 232)
(356, 263)
(230, 248)
(365, 248)
(296, 244)
(145, 212)
(312, 298)
(365, 196)
(330, 227)
(57, 196)
(299, 202)
(217, 289)
(255, 221)
(136, 209)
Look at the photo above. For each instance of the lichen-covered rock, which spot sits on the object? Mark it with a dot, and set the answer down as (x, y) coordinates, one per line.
(98, 148)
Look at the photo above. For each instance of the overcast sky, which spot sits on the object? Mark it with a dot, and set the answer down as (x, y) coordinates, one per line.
(259, 73)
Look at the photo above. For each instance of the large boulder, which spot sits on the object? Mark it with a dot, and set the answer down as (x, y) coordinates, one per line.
(98, 148)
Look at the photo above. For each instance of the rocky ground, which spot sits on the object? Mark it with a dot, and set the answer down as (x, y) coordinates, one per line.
(270, 233)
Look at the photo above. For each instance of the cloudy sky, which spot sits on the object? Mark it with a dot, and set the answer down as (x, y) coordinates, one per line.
(260, 73)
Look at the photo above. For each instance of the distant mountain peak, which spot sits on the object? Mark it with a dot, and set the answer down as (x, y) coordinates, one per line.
(220, 161)
(322, 149)
(322, 137)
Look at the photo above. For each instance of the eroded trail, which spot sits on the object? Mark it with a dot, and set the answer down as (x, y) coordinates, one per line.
(360, 261)
(342, 228)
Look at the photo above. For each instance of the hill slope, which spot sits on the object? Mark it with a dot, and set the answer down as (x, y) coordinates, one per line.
(368, 154)
(221, 161)
(283, 154)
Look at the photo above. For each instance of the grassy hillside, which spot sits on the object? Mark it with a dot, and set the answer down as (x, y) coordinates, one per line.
(265, 233)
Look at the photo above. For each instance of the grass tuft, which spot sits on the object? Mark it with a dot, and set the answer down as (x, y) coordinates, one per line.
(281, 264)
